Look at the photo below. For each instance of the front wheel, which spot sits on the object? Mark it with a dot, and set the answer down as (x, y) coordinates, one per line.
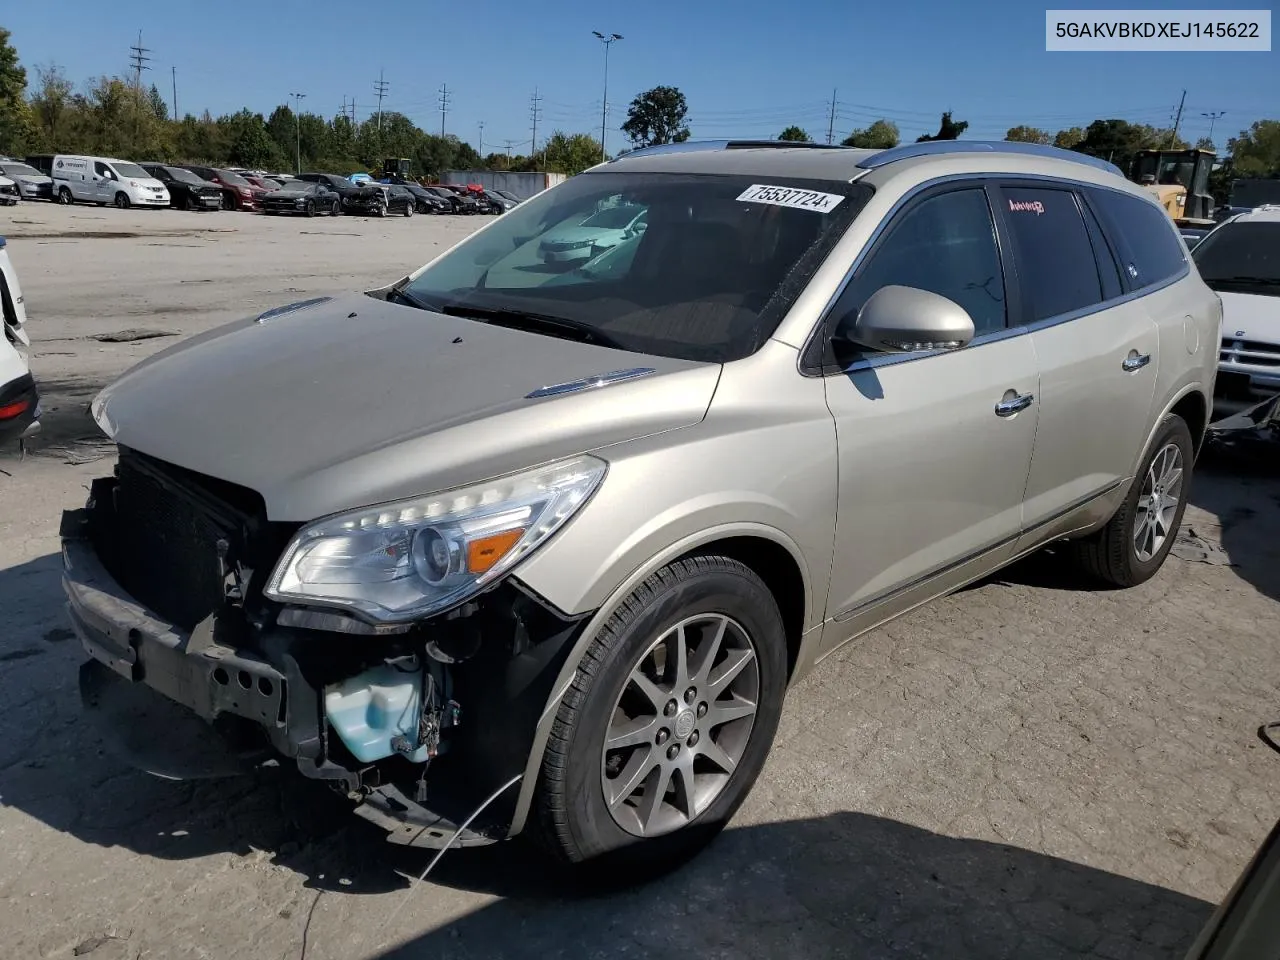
(122, 200)
(1133, 545)
(668, 721)
(409, 210)
(334, 209)
(311, 208)
(228, 201)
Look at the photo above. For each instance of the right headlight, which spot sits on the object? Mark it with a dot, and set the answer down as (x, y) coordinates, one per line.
(402, 561)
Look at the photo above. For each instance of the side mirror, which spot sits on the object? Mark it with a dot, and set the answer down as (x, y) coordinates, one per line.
(907, 319)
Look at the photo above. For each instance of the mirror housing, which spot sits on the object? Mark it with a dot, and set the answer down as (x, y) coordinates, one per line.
(906, 320)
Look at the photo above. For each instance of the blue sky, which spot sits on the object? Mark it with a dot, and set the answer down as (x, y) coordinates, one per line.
(747, 68)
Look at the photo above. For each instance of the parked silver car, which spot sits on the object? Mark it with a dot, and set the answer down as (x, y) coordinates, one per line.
(548, 548)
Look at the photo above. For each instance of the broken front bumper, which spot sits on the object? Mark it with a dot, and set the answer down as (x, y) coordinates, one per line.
(183, 704)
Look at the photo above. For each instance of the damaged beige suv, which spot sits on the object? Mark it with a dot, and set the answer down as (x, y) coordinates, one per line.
(547, 543)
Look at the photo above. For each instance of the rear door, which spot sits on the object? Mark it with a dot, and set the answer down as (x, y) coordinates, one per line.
(1097, 351)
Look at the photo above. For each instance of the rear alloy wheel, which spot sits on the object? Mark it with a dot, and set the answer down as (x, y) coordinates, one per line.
(1133, 545)
(122, 200)
(334, 209)
(310, 208)
(409, 210)
(379, 209)
(65, 198)
(669, 719)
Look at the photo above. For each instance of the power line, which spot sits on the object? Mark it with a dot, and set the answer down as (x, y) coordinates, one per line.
(444, 106)
(139, 61)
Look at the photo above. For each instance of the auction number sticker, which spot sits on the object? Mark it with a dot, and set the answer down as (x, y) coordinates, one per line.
(791, 197)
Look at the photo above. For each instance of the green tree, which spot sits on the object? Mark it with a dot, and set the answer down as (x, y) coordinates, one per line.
(1068, 139)
(155, 103)
(1119, 141)
(1204, 143)
(657, 116)
(948, 129)
(1023, 134)
(248, 142)
(1256, 152)
(54, 108)
(795, 134)
(570, 153)
(17, 128)
(881, 135)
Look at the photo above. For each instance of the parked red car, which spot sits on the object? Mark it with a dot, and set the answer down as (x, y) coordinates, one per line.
(237, 192)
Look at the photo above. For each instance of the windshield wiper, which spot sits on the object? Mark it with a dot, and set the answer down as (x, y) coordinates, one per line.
(523, 319)
(398, 295)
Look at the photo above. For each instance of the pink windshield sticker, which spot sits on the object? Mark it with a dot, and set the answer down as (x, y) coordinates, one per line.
(1029, 206)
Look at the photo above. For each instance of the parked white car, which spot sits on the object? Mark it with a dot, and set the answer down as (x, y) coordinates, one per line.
(1240, 259)
(102, 180)
(600, 231)
(32, 184)
(8, 192)
(19, 399)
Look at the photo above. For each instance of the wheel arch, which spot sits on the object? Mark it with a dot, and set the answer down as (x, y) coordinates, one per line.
(1189, 403)
(773, 556)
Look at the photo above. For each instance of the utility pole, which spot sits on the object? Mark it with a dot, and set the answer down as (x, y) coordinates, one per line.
(380, 88)
(444, 106)
(1177, 120)
(608, 41)
(1214, 116)
(139, 61)
(510, 144)
(297, 122)
(534, 116)
(481, 139)
(175, 92)
(831, 120)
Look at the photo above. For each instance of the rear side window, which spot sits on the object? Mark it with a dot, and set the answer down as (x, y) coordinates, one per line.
(1057, 272)
(1152, 252)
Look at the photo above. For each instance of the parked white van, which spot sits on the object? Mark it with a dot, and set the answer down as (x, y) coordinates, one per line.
(102, 180)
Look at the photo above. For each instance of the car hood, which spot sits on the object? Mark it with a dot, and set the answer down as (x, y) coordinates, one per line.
(288, 194)
(30, 177)
(1250, 316)
(354, 400)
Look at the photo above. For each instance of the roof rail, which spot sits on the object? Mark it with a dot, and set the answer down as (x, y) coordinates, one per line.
(931, 148)
(686, 146)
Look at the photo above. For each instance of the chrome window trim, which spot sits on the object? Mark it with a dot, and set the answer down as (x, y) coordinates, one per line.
(978, 180)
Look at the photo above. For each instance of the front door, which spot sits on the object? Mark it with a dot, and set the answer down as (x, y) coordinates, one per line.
(934, 448)
(1098, 354)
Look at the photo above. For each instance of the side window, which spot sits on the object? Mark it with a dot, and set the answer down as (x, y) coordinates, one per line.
(102, 170)
(945, 244)
(1057, 272)
(1152, 253)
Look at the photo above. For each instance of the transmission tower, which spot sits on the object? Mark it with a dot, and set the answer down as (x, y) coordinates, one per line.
(380, 88)
(139, 61)
(444, 106)
(535, 115)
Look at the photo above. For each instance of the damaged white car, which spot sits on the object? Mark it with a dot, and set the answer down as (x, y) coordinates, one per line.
(19, 397)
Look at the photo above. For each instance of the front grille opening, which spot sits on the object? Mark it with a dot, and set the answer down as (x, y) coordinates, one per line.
(169, 536)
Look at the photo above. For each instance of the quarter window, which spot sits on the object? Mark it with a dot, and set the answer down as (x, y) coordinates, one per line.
(1057, 271)
(945, 244)
(1153, 252)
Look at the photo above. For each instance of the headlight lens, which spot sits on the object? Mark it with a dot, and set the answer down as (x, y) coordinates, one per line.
(401, 561)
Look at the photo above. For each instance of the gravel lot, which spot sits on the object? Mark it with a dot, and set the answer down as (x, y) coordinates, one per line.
(1025, 769)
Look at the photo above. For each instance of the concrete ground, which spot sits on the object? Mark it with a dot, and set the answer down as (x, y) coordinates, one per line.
(1026, 769)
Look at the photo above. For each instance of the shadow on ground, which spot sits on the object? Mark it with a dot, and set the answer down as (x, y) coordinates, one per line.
(846, 885)
(1242, 488)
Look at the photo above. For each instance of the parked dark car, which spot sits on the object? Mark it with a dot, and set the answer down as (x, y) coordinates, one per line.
(186, 190)
(379, 200)
(237, 192)
(356, 197)
(508, 195)
(459, 201)
(424, 200)
(305, 197)
(495, 202)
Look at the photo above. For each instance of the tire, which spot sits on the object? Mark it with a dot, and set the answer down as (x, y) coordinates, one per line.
(573, 817)
(310, 208)
(409, 209)
(122, 201)
(229, 202)
(182, 202)
(335, 209)
(1114, 554)
(379, 209)
(64, 197)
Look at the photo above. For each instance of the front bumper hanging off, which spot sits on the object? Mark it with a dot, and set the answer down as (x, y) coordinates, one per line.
(200, 703)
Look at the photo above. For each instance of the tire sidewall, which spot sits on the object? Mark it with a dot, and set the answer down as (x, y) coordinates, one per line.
(721, 589)
(1174, 429)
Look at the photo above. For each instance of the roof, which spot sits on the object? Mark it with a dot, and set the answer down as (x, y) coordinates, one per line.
(823, 162)
(1267, 213)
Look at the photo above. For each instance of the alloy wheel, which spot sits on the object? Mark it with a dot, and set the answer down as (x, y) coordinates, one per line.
(681, 725)
(1158, 502)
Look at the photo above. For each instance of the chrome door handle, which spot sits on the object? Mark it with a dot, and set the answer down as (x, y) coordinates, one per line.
(1136, 361)
(1014, 404)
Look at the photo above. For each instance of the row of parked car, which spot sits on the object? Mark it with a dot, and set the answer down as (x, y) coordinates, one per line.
(121, 183)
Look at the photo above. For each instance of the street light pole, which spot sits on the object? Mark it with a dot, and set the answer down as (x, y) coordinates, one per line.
(297, 121)
(608, 41)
